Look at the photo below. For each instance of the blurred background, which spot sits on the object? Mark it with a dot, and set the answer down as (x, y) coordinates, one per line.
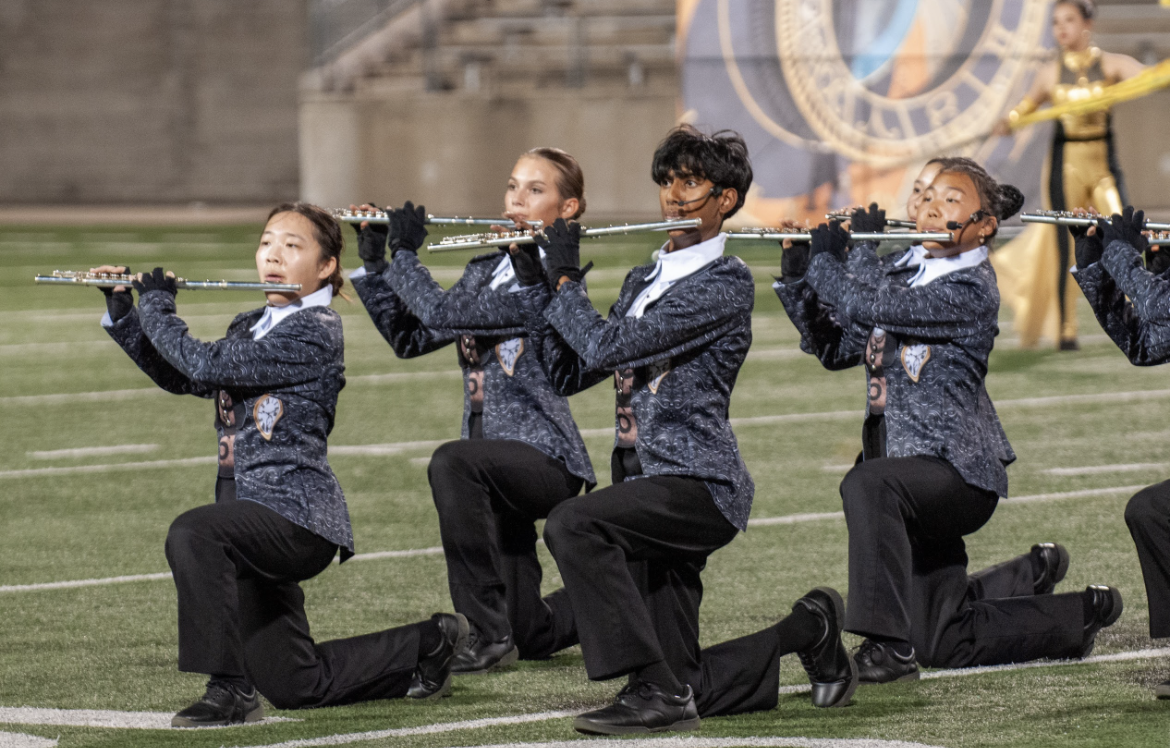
(216, 108)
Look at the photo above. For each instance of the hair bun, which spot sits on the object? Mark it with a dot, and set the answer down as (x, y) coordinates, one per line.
(1010, 201)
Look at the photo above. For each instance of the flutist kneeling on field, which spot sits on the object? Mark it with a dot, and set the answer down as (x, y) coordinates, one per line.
(280, 516)
(631, 555)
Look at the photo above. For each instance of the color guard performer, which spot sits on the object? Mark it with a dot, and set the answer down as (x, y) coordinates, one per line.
(280, 516)
(1081, 172)
(1132, 303)
(520, 454)
(934, 453)
(631, 554)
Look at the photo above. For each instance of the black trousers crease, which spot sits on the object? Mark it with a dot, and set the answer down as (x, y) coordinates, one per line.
(489, 494)
(631, 556)
(237, 566)
(908, 572)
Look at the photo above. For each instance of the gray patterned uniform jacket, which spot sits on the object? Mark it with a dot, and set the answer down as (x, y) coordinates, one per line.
(686, 351)
(416, 316)
(1139, 325)
(288, 382)
(941, 335)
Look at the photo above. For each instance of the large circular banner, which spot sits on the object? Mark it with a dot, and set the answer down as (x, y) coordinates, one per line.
(842, 101)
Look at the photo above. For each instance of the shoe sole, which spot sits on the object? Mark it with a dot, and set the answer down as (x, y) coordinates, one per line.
(588, 727)
(256, 715)
(1162, 691)
(511, 657)
(907, 677)
(839, 617)
(1061, 567)
(847, 697)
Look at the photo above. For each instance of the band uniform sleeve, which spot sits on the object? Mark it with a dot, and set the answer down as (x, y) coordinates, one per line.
(565, 369)
(958, 305)
(405, 333)
(292, 353)
(465, 307)
(127, 333)
(824, 332)
(1139, 324)
(695, 311)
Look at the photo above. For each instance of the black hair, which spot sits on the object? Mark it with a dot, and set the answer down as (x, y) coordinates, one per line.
(721, 158)
(999, 200)
(1087, 8)
(327, 232)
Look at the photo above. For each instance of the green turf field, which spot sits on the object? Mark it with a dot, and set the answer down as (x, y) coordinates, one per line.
(66, 386)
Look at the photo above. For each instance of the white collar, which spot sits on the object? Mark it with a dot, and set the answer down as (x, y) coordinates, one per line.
(274, 315)
(673, 267)
(505, 273)
(933, 268)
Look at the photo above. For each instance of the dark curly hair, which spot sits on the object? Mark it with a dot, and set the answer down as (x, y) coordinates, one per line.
(721, 157)
(999, 200)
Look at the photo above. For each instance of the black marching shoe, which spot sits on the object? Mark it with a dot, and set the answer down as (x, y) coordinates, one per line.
(830, 669)
(480, 656)
(641, 707)
(222, 704)
(1107, 607)
(879, 663)
(1053, 559)
(1162, 690)
(432, 677)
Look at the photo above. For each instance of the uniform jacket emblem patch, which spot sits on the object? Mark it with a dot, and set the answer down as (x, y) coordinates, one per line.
(656, 372)
(508, 353)
(266, 412)
(914, 358)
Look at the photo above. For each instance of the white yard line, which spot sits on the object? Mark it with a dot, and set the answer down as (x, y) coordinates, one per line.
(27, 715)
(110, 468)
(753, 741)
(68, 398)
(114, 449)
(405, 376)
(399, 732)
(382, 450)
(1137, 654)
(17, 740)
(1135, 467)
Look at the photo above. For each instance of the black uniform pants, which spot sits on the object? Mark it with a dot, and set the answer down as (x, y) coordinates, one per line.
(631, 557)
(236, 566)
(1148, 517)
(489, 494)
(908, 572)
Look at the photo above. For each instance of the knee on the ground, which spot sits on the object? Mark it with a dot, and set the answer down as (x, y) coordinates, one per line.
(1148, 506)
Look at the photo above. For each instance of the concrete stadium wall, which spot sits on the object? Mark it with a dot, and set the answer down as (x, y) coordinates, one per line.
(158, 101)
(454, 152)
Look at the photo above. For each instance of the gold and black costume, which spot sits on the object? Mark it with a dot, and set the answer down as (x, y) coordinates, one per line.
(1081, 172)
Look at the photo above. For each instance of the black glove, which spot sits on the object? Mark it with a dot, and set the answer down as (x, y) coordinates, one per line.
(872, 221)
(1158, 259)
(119, 304)
(831, 238)
(526, 263)
(155, 280)
(794, 262)
(1088, 248)
(372, 245)
(408, 228)
(1126, 227)
(561, 243)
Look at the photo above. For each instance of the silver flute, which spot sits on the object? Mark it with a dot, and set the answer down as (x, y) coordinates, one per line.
(380, 216)
(857, 236)
(896, 223)
(1066, 218)
(487, 241)
(112, 280)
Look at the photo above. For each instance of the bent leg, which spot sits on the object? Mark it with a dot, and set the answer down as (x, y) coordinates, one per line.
(479, 486)
(293, 672)
(1148, 518)
(1012, 578)
(1017, 629)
